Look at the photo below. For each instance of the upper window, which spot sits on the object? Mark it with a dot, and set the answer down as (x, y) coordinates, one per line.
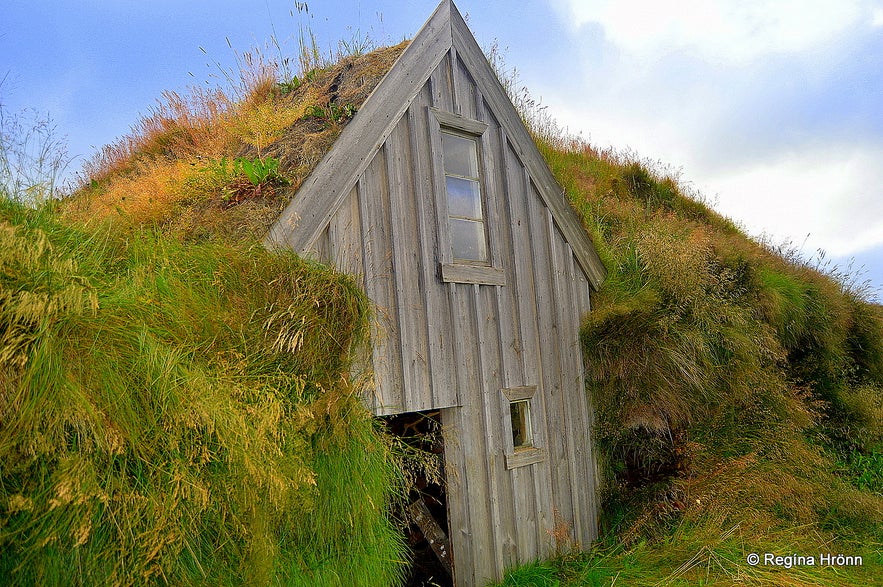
(465, 209)
(462, 168)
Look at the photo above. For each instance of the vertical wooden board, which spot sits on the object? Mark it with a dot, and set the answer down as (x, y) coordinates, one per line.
(506, 304)
(501, 491)
(457, 480)
(440, 84)
(380, 286)
(486, 559)
(526, 332)
(523, 263)
(465, 90)
(523, 482)
(345, 237)
(586, 306)
(549, 337)
(320, 249)
(571, 367)
(581, 297)
(437, 314)
(410, 291)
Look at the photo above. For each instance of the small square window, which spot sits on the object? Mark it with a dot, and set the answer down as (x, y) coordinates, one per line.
(522, 435)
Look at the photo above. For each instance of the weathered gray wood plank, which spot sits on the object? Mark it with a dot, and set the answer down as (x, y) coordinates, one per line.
(437, 310)
(440, 84)
(433, 533)
(502, 499)
(320, 248)
(476, 274)
(582, 297)
(549, 339)
(345, 237)
(410, 294)
(380, 286)
(486, 558)
(507, 302)
(520, 474)
(571, 387)
(456, 106)
(461, 519)
(544, 474)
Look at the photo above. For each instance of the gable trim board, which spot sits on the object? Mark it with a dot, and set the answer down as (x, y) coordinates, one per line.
(467, 338)
(303, 220)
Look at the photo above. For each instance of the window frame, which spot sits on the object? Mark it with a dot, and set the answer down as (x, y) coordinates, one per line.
(525, 455)
(489, 272)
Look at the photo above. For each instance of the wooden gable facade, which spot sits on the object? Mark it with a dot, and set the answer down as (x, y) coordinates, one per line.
(437, 199)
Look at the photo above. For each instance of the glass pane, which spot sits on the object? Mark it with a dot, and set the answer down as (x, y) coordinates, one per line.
(464, 197)
(461, 155)
(521, 434)
(467, 240)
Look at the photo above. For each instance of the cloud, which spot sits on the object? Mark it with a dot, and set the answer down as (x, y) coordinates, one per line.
(771, 109)
(833, 194)
(725, 30)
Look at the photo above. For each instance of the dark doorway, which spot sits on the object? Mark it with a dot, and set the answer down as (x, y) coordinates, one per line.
(424, 517)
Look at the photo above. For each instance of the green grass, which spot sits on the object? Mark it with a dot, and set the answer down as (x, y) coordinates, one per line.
(738, 392)
(183, 414)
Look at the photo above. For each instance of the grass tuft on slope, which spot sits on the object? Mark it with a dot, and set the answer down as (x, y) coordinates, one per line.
(182, 414)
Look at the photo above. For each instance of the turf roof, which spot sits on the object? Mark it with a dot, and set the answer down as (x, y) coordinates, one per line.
(177, 169)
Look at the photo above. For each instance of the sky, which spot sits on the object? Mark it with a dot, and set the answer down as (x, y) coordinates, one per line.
(771, 110)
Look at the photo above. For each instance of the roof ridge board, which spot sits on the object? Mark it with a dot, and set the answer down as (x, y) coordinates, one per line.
(331, 181)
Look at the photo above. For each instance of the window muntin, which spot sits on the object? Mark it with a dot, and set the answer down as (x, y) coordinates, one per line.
(522, 435)
(463, 189)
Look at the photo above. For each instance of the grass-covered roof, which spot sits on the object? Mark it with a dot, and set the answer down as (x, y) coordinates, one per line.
(217, 164)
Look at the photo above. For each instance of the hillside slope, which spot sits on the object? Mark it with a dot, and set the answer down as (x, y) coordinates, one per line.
(738, 393)
(183, 414)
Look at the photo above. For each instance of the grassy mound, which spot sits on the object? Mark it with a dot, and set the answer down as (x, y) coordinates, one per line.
(182, 414)
(738, 393)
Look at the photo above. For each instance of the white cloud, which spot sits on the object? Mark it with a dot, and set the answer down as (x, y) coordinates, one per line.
(736, 31)
(831, 192)
(835, 196)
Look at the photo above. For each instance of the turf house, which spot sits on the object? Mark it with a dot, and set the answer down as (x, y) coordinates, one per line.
(363, 319)
(437, 199)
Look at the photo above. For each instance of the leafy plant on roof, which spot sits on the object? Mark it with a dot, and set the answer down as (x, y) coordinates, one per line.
(331, 113)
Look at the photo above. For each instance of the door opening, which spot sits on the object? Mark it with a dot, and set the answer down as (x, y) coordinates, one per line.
(424, 517)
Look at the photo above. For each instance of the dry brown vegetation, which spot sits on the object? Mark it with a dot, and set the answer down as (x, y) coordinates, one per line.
(176, 171)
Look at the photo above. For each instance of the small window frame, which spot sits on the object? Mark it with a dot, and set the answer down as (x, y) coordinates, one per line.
(489, 272)
(525, 455)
